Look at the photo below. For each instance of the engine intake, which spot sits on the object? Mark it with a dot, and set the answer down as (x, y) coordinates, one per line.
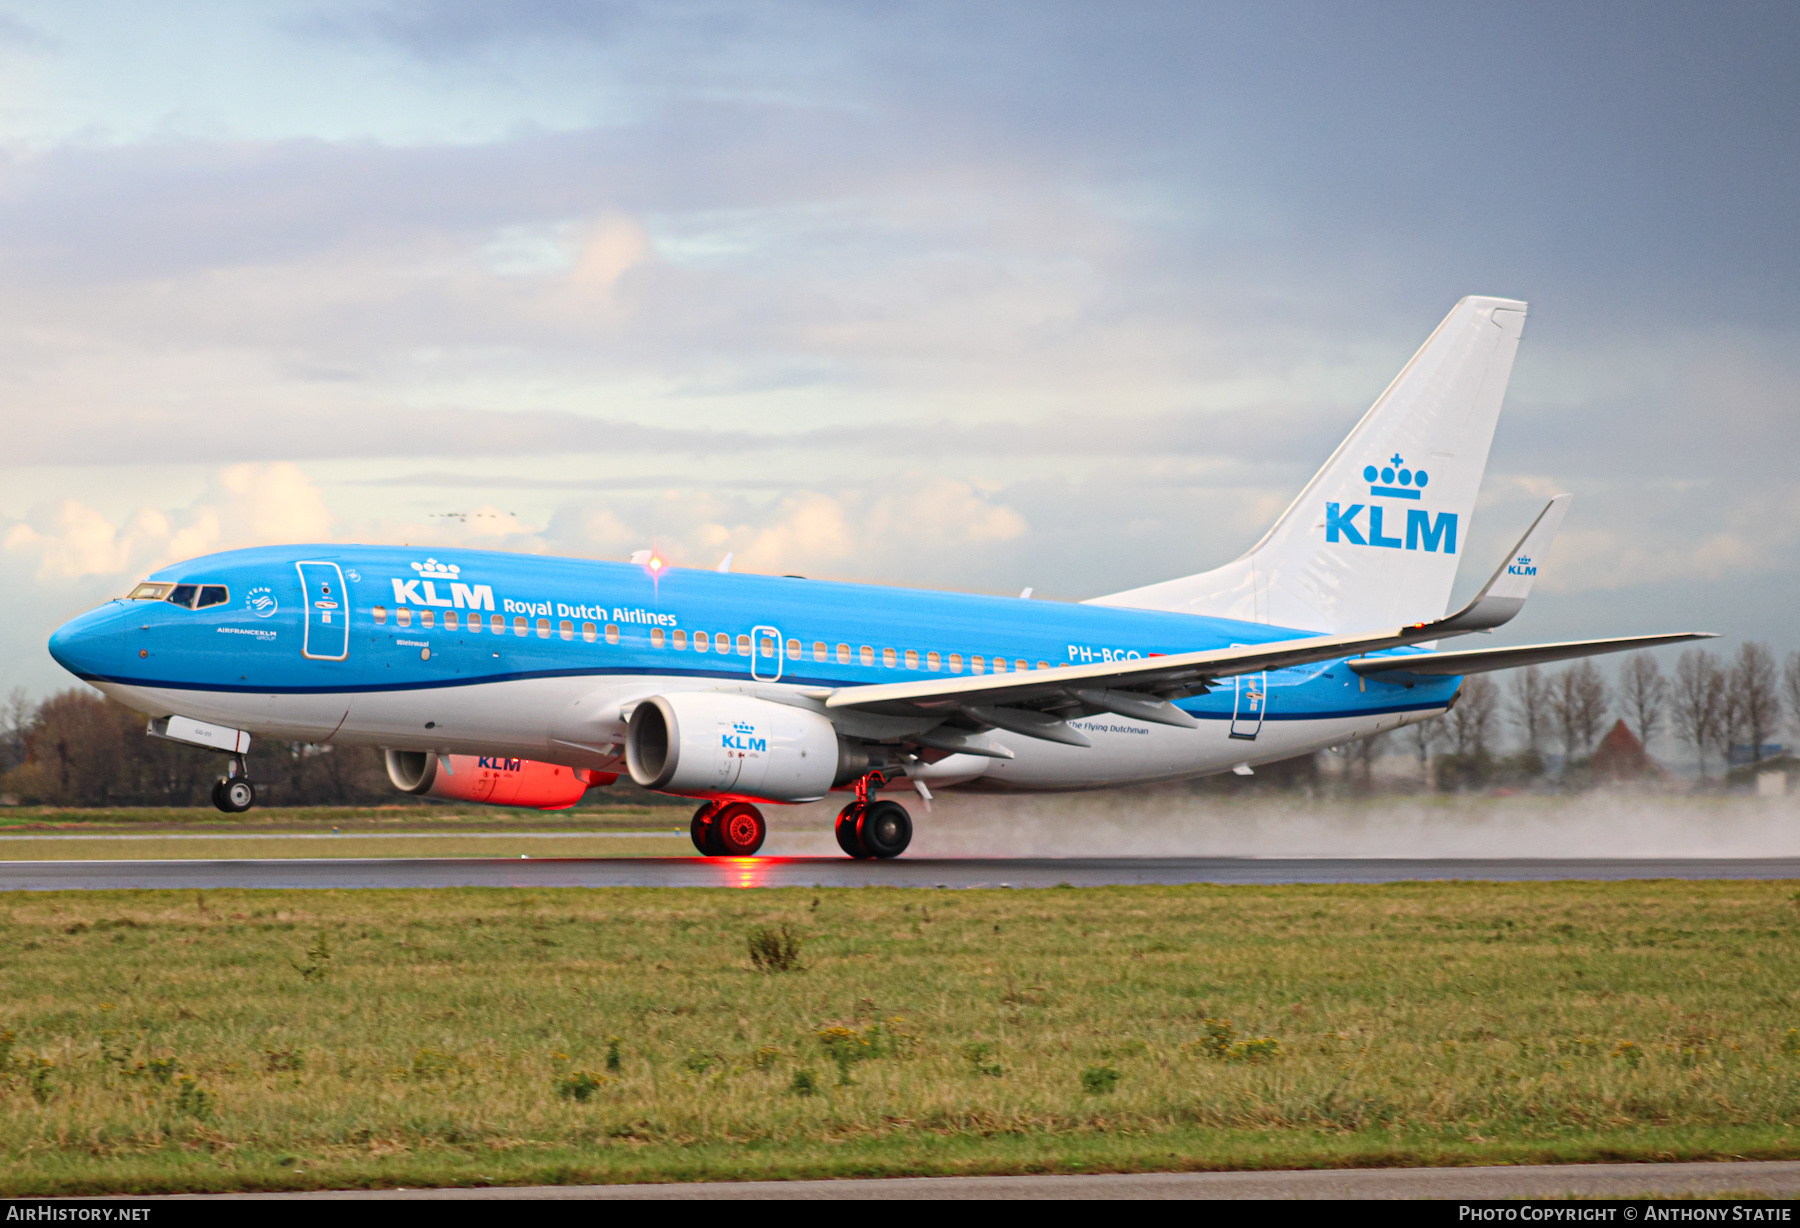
(711, 744)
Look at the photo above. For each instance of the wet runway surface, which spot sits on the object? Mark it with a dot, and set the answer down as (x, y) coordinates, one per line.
(1749, 1179)
(842, 872)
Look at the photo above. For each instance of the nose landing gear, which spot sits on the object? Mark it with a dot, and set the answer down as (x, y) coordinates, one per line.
(233, 793)
(732, 829)
(867, 828)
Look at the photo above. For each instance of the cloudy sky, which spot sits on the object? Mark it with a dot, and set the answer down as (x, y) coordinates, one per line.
(962, 296)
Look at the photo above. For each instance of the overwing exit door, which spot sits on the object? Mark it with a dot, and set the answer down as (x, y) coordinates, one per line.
(1250, 705)
(767, 654)
(327, 636)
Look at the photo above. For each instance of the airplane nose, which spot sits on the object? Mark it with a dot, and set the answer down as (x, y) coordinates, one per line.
(90, 645)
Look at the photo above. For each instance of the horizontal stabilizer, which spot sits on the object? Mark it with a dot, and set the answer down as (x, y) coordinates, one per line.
(1485, 660)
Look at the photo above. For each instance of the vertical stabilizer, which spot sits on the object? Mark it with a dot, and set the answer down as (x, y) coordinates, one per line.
(1374, 539)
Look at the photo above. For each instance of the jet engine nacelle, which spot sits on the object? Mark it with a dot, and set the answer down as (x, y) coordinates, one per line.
(713, 744)
(492, 779)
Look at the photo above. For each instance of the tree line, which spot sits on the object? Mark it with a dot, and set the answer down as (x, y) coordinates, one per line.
(1710, 704)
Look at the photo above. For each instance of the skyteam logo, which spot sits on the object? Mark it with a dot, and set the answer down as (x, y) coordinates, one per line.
(261, 602)
(423, 591)
(1392, 480)
(743, 738)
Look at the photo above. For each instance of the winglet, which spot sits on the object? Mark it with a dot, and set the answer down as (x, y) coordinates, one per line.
(1504, 594)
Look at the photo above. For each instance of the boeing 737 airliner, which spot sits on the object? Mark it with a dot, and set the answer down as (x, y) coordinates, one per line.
(525, 680)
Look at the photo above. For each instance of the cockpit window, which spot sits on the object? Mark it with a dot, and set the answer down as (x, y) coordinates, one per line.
(150, 590)
(212, 594)
(184, 595)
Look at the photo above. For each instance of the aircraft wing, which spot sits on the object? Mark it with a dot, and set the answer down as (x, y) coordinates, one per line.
(1484, 660)
(1034, 703)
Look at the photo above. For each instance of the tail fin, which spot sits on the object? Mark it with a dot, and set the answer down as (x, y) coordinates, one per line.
(1372, 539)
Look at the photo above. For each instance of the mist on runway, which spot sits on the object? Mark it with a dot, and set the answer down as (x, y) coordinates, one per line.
(1175, 823)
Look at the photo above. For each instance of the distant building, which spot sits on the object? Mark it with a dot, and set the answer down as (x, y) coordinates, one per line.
(1620, 758)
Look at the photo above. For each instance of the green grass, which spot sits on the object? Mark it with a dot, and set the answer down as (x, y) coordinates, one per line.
(436, 844)
(409, 817)
(274, 1039)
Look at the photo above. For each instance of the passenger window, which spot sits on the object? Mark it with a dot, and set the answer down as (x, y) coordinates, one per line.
(612, 633)
(977, 664)
(1043, 665)
(744, 646)
(956, 662)
(868, 655)
(1021, 666)
(184, 595)
(519, 627)
(475, 622)
(843, 654)
(793, 650)
(887, 658)
(656, 637)
(701, 641)
(912, 659)
(768, 646)
(450, 620)
(566, 629)
(497, 624)
(380, 613)
(590, 632)
(403, 617)
(543, 628)
(213, 594)
(819, 650)
(426, 618)
(680, 640)
(999, 665)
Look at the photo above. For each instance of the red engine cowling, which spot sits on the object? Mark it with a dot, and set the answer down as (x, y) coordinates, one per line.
(493, 780)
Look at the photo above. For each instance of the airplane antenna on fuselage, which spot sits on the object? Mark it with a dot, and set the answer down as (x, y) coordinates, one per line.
(725, 563)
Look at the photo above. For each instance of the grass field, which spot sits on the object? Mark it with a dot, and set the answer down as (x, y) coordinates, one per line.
(172, 1040)
(397, 818)
(434, 844)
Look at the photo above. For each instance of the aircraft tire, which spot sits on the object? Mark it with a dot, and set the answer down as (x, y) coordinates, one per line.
(701, 830)
(738, 830)
(884, 829)
(233, 796)
(845, 831)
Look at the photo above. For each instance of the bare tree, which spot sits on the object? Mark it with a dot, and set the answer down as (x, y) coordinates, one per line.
(1470, 724)
(16, 717)
(1644, 694)
(1790, 686)
(1699, 702)
(1421, 737)
(1531, 706)
(1579, 699)
(1755, 695)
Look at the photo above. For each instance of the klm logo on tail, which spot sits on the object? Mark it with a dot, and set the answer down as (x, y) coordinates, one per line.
(1521, 566)
(1393, 480)
(743, 737)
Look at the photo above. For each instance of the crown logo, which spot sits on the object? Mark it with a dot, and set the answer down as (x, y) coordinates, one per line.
(743, 727)
(1395, 480)
(431, 569)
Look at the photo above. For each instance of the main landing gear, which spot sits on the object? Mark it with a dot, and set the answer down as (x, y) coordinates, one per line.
(728, 829)
(233, 793)
(867, 828)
